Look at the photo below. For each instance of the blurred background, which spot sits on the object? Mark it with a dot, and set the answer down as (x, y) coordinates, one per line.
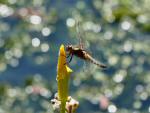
(116, 32)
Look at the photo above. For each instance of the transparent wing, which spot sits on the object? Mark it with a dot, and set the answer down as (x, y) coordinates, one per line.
(79, 34)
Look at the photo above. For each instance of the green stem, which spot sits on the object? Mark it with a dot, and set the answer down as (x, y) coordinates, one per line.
(63, 109)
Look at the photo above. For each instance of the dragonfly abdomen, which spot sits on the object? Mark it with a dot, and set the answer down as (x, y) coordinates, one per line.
(94, 61)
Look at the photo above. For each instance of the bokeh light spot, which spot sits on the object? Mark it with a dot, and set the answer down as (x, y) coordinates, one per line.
(118, 78)
(144, 96)
(14, 62)
(142, 19)
(125, 25)
(139, 88)
(113, 60)
(46, 31)
(137, 104)
(149, 109)
(35, 42)
(1, 42)
(3, 67)
(127, 46)
(17, 53)
(8, 54)
(12, 92)
(112, 108)
(12, 1)
(108, 35)
(35, 19)
(70, 22)
(5, 10)
(44, 47)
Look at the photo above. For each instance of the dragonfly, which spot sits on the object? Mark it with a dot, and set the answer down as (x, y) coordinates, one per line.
(80, 52)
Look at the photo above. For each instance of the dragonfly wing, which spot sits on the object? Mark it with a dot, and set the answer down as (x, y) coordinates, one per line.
(79, 34)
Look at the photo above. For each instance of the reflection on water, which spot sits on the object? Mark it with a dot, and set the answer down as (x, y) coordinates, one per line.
(116, 32)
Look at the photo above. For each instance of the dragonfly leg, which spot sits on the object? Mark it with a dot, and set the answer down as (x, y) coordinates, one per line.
(70, 58)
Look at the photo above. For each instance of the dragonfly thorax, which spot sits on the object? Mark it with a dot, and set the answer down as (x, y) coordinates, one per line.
(69, 48)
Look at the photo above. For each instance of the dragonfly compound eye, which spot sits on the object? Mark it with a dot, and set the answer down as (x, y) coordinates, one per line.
(69, 47)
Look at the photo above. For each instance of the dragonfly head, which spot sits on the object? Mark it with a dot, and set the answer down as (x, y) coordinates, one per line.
(69, 48)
